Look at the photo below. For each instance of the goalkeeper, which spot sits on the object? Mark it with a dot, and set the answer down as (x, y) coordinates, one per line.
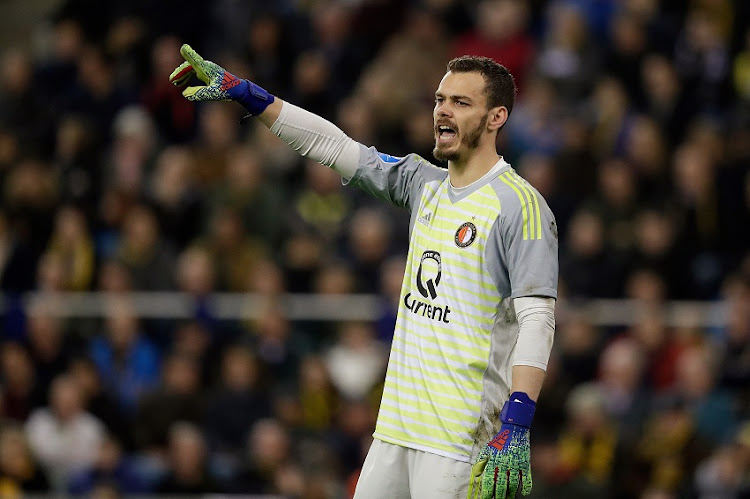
(476, 315)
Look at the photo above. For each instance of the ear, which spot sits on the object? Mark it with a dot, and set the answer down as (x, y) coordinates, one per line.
(496, 117)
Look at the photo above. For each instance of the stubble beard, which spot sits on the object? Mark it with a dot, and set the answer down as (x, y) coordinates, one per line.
(470, 140)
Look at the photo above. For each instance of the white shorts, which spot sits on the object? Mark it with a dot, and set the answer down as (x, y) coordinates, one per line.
(394, 472)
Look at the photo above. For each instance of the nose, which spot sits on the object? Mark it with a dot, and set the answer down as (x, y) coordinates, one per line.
(441, 110)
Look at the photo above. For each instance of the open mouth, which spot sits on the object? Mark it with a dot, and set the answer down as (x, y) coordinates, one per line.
(445, 133)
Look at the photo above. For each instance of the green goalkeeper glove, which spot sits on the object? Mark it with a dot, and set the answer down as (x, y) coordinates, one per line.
(220, 84)
(506, 460)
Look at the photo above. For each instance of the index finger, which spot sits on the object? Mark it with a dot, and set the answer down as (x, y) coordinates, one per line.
(190, 55)
(195, 60)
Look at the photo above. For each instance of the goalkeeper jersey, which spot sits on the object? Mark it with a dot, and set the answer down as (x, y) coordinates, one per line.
(470, 249)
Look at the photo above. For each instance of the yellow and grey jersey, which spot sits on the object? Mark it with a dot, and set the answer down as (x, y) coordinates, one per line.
(470, 250)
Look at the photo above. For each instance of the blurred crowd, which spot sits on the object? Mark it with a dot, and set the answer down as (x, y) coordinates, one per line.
(633, 121)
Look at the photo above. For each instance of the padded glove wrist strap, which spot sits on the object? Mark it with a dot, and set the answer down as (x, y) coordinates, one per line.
(518, 410)
(254, 98)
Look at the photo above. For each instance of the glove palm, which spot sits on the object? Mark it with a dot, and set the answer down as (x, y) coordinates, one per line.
(502, 464)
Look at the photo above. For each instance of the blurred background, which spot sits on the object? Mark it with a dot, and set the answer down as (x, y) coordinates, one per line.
(188, 307)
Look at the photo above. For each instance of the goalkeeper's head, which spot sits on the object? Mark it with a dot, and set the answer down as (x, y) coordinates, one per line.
(472, 104)
(499, 84)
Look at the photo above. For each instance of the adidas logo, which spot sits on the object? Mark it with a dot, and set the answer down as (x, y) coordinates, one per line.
(229, 81)
(426, 218)
(500, 439)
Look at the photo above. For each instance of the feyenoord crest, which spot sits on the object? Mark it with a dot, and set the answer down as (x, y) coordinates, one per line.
(465, 234)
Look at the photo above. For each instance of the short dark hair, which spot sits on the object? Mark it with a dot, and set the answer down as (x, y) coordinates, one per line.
(498, 82)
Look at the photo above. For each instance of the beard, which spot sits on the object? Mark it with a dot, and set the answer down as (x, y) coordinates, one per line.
(470, 140)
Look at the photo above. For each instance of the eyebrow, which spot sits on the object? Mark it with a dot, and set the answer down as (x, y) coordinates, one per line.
(455, 97)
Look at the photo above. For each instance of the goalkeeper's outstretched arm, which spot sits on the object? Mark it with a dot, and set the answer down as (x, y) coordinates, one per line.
(309, 134)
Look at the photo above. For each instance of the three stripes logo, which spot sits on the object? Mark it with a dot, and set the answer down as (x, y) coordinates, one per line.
(425, 219)
(532, 215)
(229, 81)
(500, 440)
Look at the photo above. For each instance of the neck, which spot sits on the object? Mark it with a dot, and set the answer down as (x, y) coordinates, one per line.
(463, 172)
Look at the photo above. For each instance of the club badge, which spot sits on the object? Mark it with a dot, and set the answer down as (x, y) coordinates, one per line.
(465, 234)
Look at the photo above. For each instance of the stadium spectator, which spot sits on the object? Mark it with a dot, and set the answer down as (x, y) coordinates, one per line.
(131, 156)
(655, 248)
(669, 449)
(735, 354)
(50, 431)
(48, 344)
(239, 401)
(187, 470)
(627, 45)
(660, 347)
(334, 277)
(721, 474)
(536, 127)
(218, 132)
(144, 252)
(626, 402)
(369, 244)
(98, 401)
(321, 205)
(20, 472)
(266, 279)
(242, 190)
(587, 268)
(611, 115)
(195, 273)
(588, 444)
(405, 69)
(317, 397)
(500, 32)
(701, 55)
(30, 197)
(178, 398)
(72, 242)
(128, 362)
(268, 456)
(114, 277)
(201, 340)
(578, 350)
(233, 253)
(569, 58)
(712, 411)
(16, 264)
(177, 200)
(665, 100)
(20, 390)
(110, 468)
(175, 119)
(75, 158)
(356, 362)
(645, 149)
(417, 131)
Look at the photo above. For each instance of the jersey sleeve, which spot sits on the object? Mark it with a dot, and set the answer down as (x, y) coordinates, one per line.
(522, 247)
(392, 179)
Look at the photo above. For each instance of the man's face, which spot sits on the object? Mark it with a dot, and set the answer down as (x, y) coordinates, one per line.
(460, 115)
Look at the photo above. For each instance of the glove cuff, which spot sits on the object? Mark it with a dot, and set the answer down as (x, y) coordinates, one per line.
(518, 410)
(255, 98)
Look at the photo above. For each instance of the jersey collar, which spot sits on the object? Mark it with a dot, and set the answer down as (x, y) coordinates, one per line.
(456, 194)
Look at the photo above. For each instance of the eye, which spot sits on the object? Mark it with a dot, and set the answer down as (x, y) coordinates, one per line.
(461, 103)
(439, 100)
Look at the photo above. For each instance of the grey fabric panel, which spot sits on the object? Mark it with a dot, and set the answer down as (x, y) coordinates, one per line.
(398, 181)
(522, 267)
